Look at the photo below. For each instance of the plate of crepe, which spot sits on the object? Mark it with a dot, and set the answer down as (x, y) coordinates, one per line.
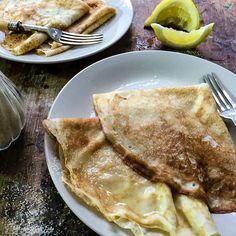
(101, 162)
(111, 18)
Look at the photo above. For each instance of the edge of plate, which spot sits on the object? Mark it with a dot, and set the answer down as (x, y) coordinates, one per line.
(54, 61)
(82, 71)
(129, 53)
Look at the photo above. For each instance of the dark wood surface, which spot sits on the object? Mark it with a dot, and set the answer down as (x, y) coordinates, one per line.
(29, 202)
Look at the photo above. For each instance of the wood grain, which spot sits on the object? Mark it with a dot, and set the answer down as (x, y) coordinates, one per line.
(29, 200)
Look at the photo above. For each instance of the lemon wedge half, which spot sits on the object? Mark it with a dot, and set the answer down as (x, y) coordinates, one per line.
(180, 39)
(180, 14)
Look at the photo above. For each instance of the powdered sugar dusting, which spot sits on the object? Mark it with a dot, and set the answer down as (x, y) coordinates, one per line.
(28, 210)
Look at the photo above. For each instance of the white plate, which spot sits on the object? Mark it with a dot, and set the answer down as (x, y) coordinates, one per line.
(112, 31)
(143, 69)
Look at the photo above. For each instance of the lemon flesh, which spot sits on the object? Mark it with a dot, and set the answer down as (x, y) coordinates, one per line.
(180, 39)
(180, 14)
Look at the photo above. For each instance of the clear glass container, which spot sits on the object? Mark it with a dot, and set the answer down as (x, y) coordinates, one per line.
(12, 119)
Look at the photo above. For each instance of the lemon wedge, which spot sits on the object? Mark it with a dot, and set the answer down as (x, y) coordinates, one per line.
(180, 14)
(180, 39)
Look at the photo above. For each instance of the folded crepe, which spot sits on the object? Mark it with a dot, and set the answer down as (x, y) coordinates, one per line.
(94, 172)
(99, 13)
(98, 176)
(173, 135)
(50, 13)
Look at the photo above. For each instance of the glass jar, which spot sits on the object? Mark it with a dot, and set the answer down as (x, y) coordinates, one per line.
(12, 119)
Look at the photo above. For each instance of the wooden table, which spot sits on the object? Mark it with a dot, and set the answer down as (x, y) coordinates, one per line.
(29, 202)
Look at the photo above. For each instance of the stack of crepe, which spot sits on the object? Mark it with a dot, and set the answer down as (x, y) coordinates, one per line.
(144, 151)
(77, 16)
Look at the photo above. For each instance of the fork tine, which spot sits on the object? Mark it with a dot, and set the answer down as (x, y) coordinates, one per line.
(218, 92)
(225, 94)
(80, 40)
(220, 106)
(76, 43)
(83, 35)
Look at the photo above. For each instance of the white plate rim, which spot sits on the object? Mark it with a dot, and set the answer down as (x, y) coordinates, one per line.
(129, 12)
(77, 76)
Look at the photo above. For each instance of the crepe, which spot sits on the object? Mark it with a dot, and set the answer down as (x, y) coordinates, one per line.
(50, 13)
(196, 213)
(94, 172)
(173, 135)
(99, 13)
(98, 176)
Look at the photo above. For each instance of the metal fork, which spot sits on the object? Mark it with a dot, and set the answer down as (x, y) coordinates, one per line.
(225, 103)
(56, 34)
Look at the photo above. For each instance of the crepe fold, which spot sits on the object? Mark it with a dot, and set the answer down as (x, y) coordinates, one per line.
(173, 135)
(50, 13)
(95, 172)
(99, 13)
(98, 176)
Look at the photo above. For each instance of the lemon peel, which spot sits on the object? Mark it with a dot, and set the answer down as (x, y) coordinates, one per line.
(181, 14)
(180, 39)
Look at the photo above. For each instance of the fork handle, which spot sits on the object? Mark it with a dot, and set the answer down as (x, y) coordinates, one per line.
(18, 26)
(11, 25)
(3, 25)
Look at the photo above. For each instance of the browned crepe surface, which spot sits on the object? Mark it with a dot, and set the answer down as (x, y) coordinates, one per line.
(50, 13)
(94, 171)
(99, 13)
(176, 136)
